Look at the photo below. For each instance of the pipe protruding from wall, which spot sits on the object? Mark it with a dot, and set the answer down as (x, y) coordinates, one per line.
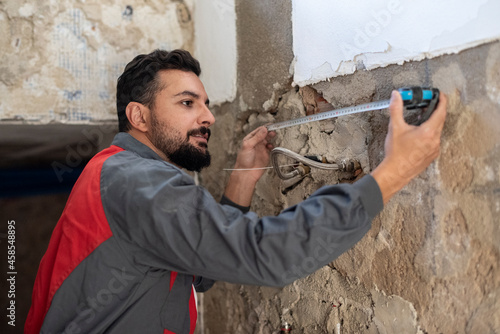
(286, 328)
(303, 164)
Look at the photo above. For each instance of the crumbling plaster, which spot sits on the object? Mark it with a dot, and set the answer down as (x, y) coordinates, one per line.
(430, 263)
(60, 59)
(335, 38)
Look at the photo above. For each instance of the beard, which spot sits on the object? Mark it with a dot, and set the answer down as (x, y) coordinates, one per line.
(177, 148)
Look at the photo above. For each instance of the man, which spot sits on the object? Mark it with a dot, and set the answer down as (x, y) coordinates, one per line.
(137, 233)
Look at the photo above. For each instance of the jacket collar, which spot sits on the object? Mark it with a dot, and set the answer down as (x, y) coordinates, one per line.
(129, 143)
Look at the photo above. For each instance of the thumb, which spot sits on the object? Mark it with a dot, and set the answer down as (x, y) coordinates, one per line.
(396, 109)
(255, 137)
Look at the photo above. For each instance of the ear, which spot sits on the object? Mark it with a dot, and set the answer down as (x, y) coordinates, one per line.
(138, 115)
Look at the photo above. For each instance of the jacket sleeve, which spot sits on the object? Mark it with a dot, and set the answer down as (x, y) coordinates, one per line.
(163, 220)
(226, 201)
(202, 284)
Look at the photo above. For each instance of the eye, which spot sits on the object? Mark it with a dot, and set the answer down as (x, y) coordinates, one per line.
(187, 103)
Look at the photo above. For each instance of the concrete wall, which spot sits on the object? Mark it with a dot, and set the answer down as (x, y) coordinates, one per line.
(431, 262)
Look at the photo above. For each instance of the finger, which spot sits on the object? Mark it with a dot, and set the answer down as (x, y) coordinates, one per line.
(254, 132)
(270, 135)
(256, 136)
(439, 115)
(396, 110)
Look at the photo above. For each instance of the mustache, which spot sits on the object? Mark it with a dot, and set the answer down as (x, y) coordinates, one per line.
(200, 131)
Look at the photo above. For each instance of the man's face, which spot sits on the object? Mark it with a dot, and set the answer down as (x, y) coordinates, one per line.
(180, 120)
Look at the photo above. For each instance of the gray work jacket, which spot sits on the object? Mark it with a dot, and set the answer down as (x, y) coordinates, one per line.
(137, 234)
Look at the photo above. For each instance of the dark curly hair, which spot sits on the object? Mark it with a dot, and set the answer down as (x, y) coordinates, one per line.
(139, 81)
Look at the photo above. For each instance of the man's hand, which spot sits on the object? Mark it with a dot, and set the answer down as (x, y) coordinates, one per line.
(409, 149)
(254, 153)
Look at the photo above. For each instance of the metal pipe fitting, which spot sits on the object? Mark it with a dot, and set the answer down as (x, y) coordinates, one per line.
(300, 159)
(304, 163)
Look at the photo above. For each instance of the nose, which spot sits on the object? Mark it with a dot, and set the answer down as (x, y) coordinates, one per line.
(206, 117)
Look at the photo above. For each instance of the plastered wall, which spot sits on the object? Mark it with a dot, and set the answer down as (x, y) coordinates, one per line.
(369, 34)
(215, 47)
(61, 59)
(430, 263)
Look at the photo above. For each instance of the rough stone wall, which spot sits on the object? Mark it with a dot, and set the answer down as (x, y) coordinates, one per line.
(60, 59)
(430, 263)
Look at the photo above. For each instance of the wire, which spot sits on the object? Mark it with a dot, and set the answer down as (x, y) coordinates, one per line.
(257, 168)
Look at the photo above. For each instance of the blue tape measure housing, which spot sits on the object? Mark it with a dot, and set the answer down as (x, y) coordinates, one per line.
(406, 95)
(416, 97)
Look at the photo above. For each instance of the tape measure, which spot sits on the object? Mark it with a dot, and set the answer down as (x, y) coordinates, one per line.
(413, 97)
